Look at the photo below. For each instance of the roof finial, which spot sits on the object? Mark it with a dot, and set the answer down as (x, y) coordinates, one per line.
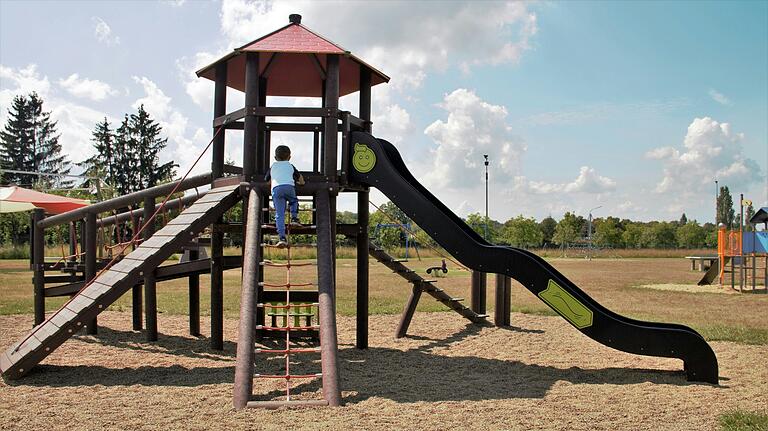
(294, 18)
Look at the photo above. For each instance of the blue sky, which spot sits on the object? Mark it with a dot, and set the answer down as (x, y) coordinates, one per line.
(635, 106)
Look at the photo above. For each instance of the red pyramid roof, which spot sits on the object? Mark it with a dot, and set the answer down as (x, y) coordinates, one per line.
(295, 57)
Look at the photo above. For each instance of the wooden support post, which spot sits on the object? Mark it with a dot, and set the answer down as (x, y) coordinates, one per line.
(503, 300)
(327, 301)
(217, 290)
(252, 256)
(331, 124)
(362, 270)
(219, 109)
(91, 230)
(217, 236)
(410, 308)
(251, 156)
(137, 298)
(72, 242)
(478, 292)
(265, 136)
(194, 297)
(150, 284)
(38, 264)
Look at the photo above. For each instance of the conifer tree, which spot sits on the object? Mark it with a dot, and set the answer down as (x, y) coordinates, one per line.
(29, 142)
(102, 164)
(146, 144)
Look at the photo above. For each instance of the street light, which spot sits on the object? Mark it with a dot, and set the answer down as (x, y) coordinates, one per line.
(486, 196)
(589, 232)
(717, 204)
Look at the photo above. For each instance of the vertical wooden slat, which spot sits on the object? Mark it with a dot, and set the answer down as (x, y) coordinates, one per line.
(150, 284)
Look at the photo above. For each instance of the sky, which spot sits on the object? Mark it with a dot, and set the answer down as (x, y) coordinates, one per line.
(632, 107)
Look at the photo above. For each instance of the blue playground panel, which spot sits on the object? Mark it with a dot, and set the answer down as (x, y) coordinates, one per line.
(755, 242)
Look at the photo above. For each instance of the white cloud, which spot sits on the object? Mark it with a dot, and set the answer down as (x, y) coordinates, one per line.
(588, 181)
(103, 32)
(411, 38)
(719, 97)
(74, 122)
(711, 151)
(473, 128)
(155, 101)
(602, 111)
(87, 88)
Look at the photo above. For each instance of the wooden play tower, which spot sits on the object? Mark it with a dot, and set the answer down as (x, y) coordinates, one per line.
(296, 62)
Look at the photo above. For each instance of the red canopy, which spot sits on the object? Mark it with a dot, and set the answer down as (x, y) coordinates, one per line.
(52, 204)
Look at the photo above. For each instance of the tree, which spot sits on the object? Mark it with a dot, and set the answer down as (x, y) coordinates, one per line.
(608, 232)
(523, 232)
(547, 227)
(658, 235)
(725, 213)
(567, 230)
(29, 142)
(748, 214)
(632, 234)
(683, 220)
(477, 222)
(103, 164)
(691, 235)
(147, 145)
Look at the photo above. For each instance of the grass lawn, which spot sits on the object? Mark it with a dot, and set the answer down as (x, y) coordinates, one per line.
(612, 282)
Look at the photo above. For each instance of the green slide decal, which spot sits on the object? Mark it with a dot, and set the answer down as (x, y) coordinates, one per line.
(568, 306)
(364, 158)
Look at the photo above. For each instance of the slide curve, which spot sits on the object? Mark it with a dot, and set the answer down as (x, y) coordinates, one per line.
(377, 163)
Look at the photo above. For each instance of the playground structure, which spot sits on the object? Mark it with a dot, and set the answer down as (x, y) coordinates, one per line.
(742, 257)
(294, 61)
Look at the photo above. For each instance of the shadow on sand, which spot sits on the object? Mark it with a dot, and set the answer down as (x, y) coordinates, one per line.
(414, 375)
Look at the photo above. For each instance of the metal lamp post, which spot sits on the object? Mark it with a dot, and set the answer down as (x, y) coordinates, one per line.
(486, 196)
(589, 232)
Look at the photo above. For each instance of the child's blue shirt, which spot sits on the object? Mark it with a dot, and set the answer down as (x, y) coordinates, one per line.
(282, 173)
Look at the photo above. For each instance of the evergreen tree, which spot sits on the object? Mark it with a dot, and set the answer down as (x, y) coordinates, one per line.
(16, 138)
(147, 144)
(30, 143)
(683, 220)
(103, 164)
(725, 212)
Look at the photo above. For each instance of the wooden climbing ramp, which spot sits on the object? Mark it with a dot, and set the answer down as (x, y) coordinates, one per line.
(113, 282)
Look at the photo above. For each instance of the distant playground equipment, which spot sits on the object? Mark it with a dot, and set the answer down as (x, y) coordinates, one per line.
(438, 269)
(407, 230)
(296, 62)
(742, 257)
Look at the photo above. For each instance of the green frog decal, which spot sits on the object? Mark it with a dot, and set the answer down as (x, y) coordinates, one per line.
(364, 158)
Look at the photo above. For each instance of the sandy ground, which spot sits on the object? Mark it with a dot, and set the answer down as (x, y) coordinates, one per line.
(692, 288)
(539, 374)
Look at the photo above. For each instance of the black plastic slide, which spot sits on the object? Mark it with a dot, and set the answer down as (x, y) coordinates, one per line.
(377, 163)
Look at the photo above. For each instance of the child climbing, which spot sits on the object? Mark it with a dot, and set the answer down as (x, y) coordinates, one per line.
(284, 177)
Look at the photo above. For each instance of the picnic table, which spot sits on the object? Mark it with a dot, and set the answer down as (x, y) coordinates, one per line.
(705, 262)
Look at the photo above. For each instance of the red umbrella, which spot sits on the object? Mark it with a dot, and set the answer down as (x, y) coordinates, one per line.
(52, 204)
